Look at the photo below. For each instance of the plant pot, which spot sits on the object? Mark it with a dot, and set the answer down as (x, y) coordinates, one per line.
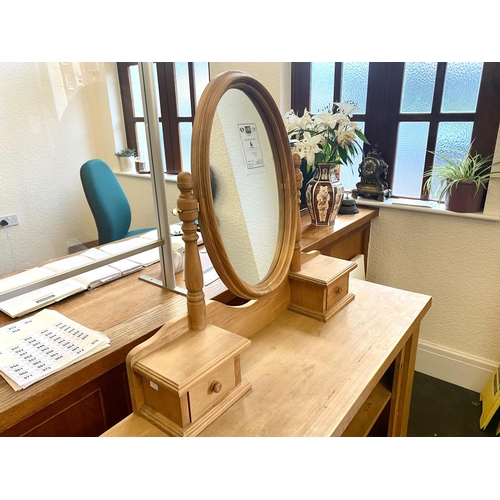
(127, 163)
(324, 194)
(462, 197)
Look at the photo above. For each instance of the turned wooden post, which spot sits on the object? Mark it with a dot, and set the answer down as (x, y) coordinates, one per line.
(187, 209)
(296, 258)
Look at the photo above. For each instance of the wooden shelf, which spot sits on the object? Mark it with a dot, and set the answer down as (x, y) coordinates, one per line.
(368, 414)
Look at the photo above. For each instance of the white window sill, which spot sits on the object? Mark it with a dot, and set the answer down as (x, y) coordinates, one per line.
(423, 207)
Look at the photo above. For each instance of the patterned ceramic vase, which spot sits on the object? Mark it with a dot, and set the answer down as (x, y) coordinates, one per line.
(324, 194)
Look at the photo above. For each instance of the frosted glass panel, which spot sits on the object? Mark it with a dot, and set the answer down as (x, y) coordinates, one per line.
(182, 86)
(461, 87)
(185, 132)
(410, 157)
(322, 78)
(201, 78)
(355, 84)
(142, 147)
(418, 87)
(157, 90)
(453, 138)
(347, 177)
(162, 149)
(135, 89)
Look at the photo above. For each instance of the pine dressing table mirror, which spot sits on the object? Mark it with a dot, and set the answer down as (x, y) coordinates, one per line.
(305, 350)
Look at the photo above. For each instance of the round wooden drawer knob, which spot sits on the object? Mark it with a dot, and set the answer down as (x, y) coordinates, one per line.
(339, 290)
(216, 386)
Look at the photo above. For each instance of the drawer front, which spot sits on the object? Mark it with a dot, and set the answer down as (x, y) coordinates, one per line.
(337, 291)
(203, 395)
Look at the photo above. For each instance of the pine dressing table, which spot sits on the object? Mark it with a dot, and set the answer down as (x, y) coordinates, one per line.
(306, 350)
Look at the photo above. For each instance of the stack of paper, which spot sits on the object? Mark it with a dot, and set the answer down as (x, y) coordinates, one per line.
(38, 346)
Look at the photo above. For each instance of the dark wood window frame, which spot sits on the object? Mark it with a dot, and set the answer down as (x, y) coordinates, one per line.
(385, 81)
(168, 110)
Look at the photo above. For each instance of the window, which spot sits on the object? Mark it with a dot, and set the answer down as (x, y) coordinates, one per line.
(407, 110)
(179, 87)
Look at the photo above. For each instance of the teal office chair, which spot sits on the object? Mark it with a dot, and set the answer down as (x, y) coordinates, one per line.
(107, 201)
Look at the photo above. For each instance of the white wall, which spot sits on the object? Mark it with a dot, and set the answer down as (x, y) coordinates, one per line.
(46, 136)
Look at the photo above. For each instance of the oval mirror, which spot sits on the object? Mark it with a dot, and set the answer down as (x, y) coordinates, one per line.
(242, 171)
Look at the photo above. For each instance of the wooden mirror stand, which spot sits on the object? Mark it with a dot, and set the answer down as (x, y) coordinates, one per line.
(189, 372)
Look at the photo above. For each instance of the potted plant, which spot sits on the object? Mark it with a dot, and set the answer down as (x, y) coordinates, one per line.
(324, 141)
(461, 180)
(127, 159)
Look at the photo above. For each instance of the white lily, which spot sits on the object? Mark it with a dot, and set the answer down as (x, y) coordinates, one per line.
(326, 119)
(346, 108)
(292, 122)
(306, 120)
(323, 133)
(308, 147)
(345, 137)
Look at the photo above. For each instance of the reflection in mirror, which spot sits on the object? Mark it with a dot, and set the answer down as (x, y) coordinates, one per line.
(246, 190)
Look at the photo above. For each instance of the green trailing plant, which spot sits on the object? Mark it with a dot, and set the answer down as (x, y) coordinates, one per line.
(462, 167)
(127, 152)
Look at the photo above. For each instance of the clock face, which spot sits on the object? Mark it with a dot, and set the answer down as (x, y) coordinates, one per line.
(369, 168)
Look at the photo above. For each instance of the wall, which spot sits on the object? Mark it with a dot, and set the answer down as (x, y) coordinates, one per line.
(46, 135)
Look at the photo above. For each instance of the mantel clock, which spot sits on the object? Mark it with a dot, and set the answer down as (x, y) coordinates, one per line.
(373, 177)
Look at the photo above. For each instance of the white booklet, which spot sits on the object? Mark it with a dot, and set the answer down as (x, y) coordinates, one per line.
(42, 297)
(175, 235)
(145, 258)
(31, 301)
(36, 347)
(92, 278)
(125, 266)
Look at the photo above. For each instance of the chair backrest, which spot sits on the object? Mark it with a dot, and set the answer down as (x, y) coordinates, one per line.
(107, 201)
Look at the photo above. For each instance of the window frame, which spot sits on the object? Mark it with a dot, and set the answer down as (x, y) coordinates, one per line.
(382, 118)
(169, 116)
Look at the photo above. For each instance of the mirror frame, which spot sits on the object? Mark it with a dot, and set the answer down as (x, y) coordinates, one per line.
(283, 163)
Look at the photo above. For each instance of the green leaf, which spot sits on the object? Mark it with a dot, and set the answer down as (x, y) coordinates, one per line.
(361, 136)
(343, 155)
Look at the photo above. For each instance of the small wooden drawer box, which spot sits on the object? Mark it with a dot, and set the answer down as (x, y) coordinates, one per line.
(192, 380)
(321, 288)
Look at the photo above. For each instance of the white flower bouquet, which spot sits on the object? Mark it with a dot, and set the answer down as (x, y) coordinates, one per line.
(328, 137)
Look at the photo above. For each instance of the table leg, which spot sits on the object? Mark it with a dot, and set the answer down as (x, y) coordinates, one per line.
(402, 386)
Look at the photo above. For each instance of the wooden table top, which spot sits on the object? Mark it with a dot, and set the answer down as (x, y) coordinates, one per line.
(309, 378)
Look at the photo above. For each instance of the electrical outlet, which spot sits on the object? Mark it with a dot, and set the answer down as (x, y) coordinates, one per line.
(11, 220)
